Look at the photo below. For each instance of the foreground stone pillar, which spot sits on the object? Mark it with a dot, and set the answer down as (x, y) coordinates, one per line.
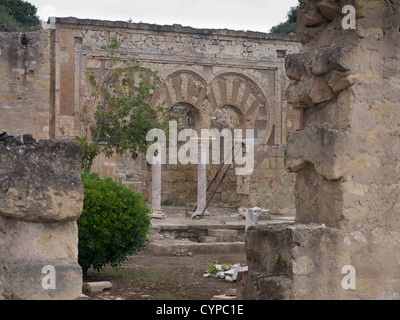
(156, 188)
(41, 196)
(345, 242)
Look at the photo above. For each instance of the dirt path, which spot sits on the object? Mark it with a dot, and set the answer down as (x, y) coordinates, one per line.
(148, 277)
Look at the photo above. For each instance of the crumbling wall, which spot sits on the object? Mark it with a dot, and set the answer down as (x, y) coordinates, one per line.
(44, 87)
(346, 87)
(25, 83)
(41, 196)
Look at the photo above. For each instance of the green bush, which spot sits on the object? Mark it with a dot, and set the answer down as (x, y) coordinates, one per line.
(115, 223)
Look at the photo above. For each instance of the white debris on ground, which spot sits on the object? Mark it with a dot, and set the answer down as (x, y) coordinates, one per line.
(243, 213)
(228, 275)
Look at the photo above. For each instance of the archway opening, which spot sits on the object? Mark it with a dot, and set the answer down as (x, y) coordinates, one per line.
(179, 181)
(231, 118)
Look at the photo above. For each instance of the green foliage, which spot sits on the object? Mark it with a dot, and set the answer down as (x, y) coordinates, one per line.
(123, 115)
(213, 270)
(89, 152)
(114, 223)
(8, 20)
(290, 25)
(18, 14)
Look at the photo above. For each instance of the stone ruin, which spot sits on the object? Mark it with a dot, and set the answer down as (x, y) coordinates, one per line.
(205, 71)
(345, 86)
(343, 145)
(41, 196)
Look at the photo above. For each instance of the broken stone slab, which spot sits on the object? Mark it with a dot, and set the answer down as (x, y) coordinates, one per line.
(228, 278)
(96, 287)
(230, 272)
(158, 216)
(237, 270)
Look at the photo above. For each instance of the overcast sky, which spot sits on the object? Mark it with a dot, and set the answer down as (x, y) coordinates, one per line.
(254, 15)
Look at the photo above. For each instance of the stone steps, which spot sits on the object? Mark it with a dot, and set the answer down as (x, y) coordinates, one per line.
(200, 239)
(186, 247)
(202, 233)
(221, 235)
(175, 236)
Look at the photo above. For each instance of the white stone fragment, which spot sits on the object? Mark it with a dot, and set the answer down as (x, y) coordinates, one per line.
(94, 287)
(230, 272)
(237, 270)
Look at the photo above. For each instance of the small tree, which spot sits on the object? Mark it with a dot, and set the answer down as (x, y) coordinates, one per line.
(114, 223)
(124, 115)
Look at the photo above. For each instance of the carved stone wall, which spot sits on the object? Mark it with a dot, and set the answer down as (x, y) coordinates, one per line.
(45, 87)
(345, 86)
(201, 69)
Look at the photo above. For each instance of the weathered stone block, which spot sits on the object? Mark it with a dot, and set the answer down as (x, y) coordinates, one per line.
(317, 145)
(41, 196)
(36, 186)
(320, 91)
(255, 285)
(25, 281)
(329, 9)
(320, 63)
(97, 286)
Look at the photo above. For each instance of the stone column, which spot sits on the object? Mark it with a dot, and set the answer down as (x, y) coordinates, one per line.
(201, 182)
(156, 188)
(41, 196)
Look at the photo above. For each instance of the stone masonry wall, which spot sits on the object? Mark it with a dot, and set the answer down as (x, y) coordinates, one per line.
(25, 83)
(44, 88)
(346, 87)
(199, 68)
(41, 196)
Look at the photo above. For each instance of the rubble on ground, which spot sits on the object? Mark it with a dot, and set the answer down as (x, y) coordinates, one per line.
(229, 275)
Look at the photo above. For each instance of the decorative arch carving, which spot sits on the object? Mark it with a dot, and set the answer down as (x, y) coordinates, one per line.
(226, 89)
(184, 86)
(239, 91)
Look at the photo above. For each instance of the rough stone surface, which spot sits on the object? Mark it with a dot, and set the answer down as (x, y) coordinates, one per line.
(25, 83)
(41, 196)
(40, 182)
(97, 286)
(345, 155)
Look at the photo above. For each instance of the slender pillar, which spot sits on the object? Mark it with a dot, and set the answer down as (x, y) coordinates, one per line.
(156, 188)
(201, 182)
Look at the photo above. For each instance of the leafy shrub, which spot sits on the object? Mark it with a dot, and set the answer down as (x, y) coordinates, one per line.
(114, 223)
